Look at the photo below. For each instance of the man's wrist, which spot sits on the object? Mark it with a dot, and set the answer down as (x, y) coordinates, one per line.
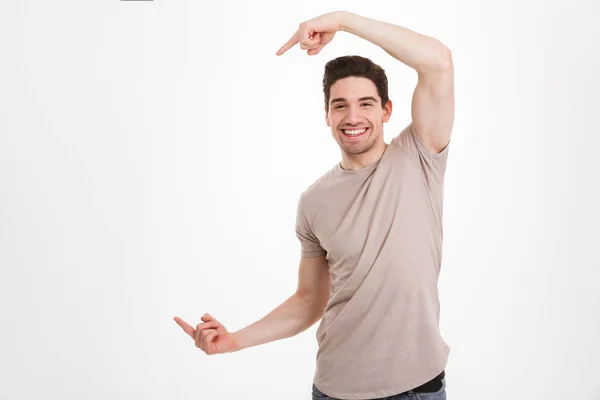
(349, 22)
(343, 20)
(235, 336)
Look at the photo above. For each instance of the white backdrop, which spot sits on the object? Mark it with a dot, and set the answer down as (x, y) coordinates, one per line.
(151, 158)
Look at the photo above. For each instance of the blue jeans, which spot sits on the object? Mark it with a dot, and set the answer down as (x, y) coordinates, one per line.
(410, 395)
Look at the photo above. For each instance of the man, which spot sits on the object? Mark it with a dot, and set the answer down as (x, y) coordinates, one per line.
(370, 228)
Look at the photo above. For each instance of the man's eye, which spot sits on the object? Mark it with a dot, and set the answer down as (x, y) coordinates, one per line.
(338, 107)
(367, 104)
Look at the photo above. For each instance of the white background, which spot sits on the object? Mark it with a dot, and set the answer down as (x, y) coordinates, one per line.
(151, 158)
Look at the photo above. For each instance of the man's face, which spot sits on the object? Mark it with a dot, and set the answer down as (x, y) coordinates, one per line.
(355, 114)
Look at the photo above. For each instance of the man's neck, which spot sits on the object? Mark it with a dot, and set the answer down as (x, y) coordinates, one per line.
(352, 162)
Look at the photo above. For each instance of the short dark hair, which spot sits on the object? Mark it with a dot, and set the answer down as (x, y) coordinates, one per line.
(346, 66)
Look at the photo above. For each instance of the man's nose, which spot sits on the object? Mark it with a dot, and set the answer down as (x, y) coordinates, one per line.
(353, 117)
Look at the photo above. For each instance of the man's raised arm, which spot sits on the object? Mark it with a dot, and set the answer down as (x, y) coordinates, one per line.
(433, 98)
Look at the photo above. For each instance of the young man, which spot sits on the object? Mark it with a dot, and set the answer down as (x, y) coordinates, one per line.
(370, 228)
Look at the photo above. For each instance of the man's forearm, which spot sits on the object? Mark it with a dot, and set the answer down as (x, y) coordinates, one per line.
(292, 317)
(423, 53)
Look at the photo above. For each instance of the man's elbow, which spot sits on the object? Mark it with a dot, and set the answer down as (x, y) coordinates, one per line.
(314, 304)
(446, 61)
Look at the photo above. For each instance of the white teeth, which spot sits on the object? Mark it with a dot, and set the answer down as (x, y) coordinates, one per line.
(354, 131)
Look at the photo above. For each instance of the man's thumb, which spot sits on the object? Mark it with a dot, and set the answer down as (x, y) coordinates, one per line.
(206, 318)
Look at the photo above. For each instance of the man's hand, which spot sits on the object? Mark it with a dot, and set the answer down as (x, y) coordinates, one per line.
(315, 33)
(210, 336)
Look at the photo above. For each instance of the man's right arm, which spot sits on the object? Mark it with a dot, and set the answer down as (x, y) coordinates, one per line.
(297, 313)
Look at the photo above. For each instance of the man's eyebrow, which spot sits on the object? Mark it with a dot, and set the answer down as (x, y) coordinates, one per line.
(361, 99)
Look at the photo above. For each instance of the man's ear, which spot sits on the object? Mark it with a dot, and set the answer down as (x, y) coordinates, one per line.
(387, 111)
(327, 116)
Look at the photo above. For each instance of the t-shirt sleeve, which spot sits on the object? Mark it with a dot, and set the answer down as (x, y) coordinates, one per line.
(309, 243)
(432, 164)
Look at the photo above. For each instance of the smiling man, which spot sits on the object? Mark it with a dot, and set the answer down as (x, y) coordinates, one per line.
(370, 228)
(356, 111)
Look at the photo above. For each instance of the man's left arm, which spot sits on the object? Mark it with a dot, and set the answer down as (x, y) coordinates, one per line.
(433, 98)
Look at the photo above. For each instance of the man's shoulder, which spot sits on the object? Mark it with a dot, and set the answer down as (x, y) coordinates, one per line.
(315, 192)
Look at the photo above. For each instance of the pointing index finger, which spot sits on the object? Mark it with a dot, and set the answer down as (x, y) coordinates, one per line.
(290, 43)
(186, 327)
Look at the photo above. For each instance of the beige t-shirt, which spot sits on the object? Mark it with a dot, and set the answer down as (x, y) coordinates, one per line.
(381, 230)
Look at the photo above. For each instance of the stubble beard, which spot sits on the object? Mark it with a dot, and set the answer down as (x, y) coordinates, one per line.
(359, 148)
